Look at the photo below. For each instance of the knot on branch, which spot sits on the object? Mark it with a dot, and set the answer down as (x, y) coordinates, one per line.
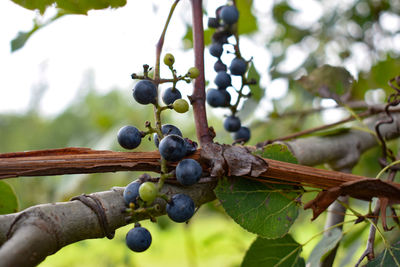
(232, 161)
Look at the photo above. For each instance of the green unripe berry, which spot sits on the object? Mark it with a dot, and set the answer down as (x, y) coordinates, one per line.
(180, 105)
(148, 192)
(169, 59)
(150, 74)
(193, 72)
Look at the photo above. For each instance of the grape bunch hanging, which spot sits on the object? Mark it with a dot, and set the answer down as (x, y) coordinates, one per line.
(225, 24)
(140, 195)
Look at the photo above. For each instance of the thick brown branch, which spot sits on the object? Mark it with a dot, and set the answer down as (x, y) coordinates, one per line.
(85, 160)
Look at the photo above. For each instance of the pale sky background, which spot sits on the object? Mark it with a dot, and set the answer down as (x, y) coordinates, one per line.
(113, 44)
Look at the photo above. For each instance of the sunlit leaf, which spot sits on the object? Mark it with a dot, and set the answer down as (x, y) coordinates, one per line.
(247, 21)
(377, 77)
(280, 252)
(8, 199)
(70, 6)
(277, 152)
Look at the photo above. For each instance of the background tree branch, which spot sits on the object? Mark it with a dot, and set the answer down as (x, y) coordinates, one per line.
(42, 230)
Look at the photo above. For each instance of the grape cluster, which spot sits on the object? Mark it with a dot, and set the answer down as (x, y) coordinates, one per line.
(226, 18)
(140, 195)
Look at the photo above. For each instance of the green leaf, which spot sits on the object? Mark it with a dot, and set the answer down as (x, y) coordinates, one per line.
(22, 37)
(277, 152)
(327, 243)
(388, 257)
(70, 6)
(329, 82)
(8, 199)
(247, 22)
(266, 210)
(377, 77)
(188, 37)
(256, 91)
(280, 252)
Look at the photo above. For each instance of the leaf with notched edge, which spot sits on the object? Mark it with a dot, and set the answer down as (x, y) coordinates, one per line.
(274, 252)
(266, 210)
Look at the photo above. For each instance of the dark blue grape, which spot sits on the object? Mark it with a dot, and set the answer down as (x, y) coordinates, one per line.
(242, 135)
(138, 239)
(218, 98)
(232, 124)
(229, 15)
(167, 129)
(131, 192)
(145, 92)
(191, 146)
(238, 66)
(213, 23)
(219, 66)
(222, 80)
(221, 37)
(129, 137)
(172, 147)
(227, 97)
(216, 49)
(180, 208)
(170, 96)
(188, 172)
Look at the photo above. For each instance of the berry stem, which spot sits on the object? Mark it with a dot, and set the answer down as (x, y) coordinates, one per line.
(198, 97)
(157, 108)
(161, 43)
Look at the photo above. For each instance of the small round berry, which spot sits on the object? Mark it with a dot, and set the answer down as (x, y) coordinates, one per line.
(229, 15)
(238, 66)
(188, 172)
(148, 191)
(138, 239)
(193, 72)
(232, 124)
(213, 23)
(219, 66)
(145, 92)
(172, 147)
(131, 192)
(242, 135)
(191, 146)
(218, 98)
(181, 208)
(216, 49)
(221, 36)
(150, 74)
(222, 80)
(180, 105)
(169, 59)
(167, 129)
(170, 95)
(129, 137)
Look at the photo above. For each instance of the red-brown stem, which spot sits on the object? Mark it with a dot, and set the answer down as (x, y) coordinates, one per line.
(199, 94)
